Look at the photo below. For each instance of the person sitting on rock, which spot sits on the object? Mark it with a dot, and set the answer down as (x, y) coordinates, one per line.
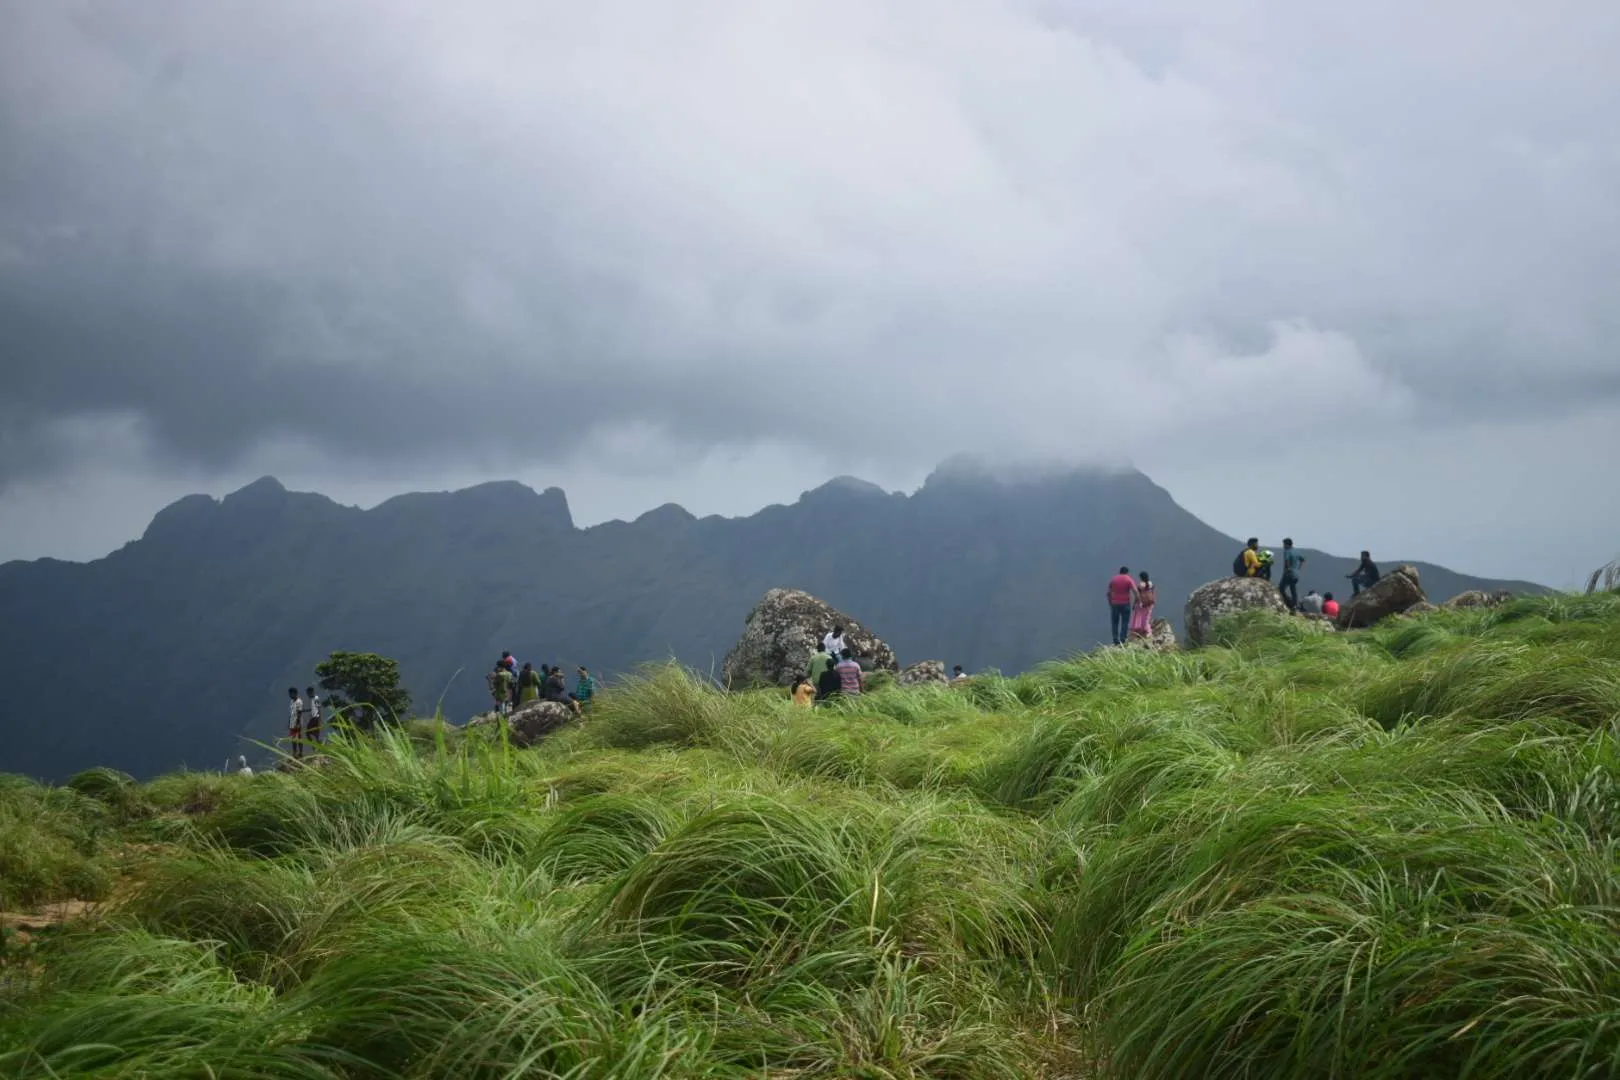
(957, 674)
(1310, 604)
(555, 689)
(529, 681)
(850, 681)
(585, 688)
(803, 692)
(1364, 576)
(1330, 606)
(1247, 564)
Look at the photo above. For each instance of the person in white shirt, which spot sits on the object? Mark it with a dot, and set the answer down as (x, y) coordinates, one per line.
(958, 673)
(834, 642)
(295, 721)
(312, 726)
(1310, 604)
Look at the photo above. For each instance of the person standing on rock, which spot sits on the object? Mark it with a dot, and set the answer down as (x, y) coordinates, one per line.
(1121, 594)
(834, 642)
(1293, 563)
(1364, 576)
(528, 685)
(1142, 608)
(500, 688)
(850, 682)
(295, 722)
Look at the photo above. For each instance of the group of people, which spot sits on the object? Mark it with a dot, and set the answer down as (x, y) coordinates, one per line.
(1255, 561)
(511, 686)
(1130, 605)
(303, 720)
(834, 671)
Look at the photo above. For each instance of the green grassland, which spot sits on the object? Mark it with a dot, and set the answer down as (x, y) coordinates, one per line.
(1390, 853)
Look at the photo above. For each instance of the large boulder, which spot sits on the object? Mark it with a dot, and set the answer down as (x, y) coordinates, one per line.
(1227, 596)
(783, 631)
(1477, 598)
(1161, 639)
(530, 723)
(1394, 593)
(924, 671)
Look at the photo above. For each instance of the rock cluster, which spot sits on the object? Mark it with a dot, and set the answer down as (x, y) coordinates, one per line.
(532, 722)
(1227, 596)
(781, 634)
(924, 671)
(1162, 638)
(1394, 593)
(1477, 598)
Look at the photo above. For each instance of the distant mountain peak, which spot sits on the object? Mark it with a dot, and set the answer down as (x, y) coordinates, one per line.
(669, 512)
(262, 489)
(845, 486)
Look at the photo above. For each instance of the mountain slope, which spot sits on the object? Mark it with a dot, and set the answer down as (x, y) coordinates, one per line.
(171, 649)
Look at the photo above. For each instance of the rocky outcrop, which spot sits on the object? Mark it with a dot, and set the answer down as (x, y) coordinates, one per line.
(1477, 598)
(530, 723)
(1423, 607)
(1319, 623)
(1161, 639)
(1394, 593)
(1227, 596)
(924, 671)
(782, 633)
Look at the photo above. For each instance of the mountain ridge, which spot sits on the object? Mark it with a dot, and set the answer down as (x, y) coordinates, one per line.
(195, 630)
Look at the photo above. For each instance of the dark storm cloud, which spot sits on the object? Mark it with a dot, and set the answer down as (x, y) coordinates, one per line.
(489, 233)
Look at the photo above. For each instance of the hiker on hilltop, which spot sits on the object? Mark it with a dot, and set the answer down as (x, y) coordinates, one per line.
(312, 711)
(834, 642)
(528, 685)
(555, 689)
(500, 687)
(1311, 604)
(827, 682)
(584, 688)
(1247, 563)
(295, 722)
(1330, 606)
(1364, 576)
(1142, 607)
(1293, 563)
(821, 661)
(850, 682)
(1121, 594)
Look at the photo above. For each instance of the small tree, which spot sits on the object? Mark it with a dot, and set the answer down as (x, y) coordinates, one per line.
(364, 679)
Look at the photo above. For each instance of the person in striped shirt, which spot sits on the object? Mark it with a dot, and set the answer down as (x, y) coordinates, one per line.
(849, 675)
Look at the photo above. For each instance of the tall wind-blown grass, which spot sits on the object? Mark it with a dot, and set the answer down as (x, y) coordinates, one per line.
(1389, 853)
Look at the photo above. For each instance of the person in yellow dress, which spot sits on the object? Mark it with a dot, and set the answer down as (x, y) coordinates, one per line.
(804, 693)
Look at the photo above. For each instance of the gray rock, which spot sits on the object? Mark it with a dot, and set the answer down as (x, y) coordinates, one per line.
(1477, 598)
(924, 671)
(1394, 593)
(1227, 596)
(1161, 639)
(783, 631)
(530, 723)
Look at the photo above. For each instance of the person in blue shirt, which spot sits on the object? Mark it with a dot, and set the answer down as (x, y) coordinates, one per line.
(1293, 563)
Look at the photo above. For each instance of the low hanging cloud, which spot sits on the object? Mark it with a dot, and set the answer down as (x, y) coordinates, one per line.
(387, 231)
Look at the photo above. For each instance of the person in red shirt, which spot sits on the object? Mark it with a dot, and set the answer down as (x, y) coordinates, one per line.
(1121, 594)
(1330, 606)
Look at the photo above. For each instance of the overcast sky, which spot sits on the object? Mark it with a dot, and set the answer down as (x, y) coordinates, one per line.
(1349, 271)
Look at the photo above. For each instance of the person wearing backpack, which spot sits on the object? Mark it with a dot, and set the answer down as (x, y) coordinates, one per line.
(1247, 563)
(1142, 608)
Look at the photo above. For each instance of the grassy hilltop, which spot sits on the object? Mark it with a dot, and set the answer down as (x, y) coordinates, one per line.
(1383, 854)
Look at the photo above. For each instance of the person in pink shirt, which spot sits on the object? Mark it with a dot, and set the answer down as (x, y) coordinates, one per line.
(1121, 594)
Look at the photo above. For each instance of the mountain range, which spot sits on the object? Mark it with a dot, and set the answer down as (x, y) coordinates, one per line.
(178, 646)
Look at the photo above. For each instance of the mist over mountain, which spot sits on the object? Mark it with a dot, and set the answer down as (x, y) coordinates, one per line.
(179, 645)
